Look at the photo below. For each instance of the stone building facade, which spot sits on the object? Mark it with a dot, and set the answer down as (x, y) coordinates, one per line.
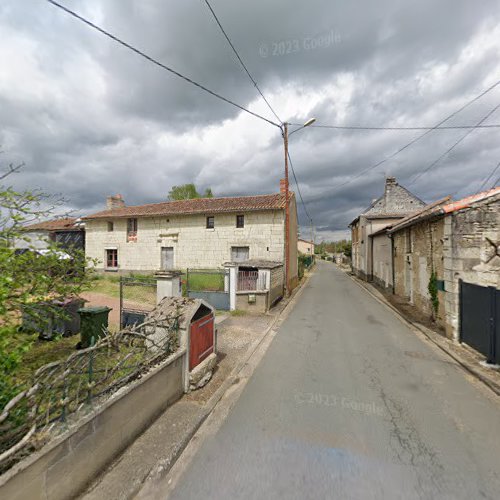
(395, 204)
(305, 247)
(200, 233)
(455, 241)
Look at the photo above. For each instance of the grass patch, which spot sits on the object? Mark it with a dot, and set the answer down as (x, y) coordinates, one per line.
(238, 312)
(206, 282)
(110, 286)
(107, 285)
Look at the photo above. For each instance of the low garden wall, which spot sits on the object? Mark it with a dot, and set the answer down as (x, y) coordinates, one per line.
(68, 463)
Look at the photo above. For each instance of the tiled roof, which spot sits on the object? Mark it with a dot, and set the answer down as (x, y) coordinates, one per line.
(66, 224)
(467, 202)
(443, 207)
(197, 206)
(430, 210)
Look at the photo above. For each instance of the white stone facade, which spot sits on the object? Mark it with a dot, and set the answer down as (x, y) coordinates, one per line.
(194, 246)
(305, 247)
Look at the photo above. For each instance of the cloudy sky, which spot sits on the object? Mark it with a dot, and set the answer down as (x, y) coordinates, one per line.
(89, 118)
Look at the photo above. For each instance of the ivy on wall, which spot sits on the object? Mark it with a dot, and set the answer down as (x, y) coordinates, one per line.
(433, 291)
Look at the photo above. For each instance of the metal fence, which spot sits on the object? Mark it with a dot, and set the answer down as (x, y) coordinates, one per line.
(137, 299)
(250, 281)
(211, 285)
(60, 389)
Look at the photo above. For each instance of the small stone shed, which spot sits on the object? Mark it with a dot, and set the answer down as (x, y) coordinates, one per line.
(259, 284)
(195, 319)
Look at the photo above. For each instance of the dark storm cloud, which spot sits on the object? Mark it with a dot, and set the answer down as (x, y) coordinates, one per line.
(90, 118)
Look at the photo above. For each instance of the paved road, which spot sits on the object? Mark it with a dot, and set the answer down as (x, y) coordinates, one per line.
(350, 403)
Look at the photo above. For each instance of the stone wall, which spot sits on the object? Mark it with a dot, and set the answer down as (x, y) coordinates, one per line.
(65, 466)
(456, 246)
(259, 306)
(276, 284)
(194, 245)
(362, 249)
(419, 253)
(382, 260)
(400, 263)
(471, 239)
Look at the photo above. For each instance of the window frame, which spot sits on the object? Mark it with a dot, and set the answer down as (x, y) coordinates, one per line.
(132, 226)
(113, 260)
(240, 217)
(111, 226)
(210, 219)
(239, 247)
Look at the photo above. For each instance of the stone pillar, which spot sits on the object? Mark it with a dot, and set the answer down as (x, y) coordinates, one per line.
(233, 280)
(168, 284)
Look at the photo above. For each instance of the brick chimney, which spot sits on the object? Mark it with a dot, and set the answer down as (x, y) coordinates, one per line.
(282, 185)
(390, 183)
(115, 201)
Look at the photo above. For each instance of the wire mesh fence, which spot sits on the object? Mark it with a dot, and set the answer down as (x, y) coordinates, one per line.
(59, 390)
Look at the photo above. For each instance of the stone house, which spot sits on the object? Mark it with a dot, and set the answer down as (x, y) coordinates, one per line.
(200, 233)
(453, 241)
(305, 247)
(370, 261)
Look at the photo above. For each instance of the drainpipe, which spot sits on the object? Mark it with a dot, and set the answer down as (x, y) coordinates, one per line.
(393, 264)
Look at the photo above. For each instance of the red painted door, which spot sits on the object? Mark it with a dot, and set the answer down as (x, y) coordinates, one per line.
(202, 340)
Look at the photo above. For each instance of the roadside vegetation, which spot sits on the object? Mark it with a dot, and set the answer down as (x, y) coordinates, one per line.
(31, 282)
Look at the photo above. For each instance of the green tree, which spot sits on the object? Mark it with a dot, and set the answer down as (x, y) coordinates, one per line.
(30, 278)
(187, 192)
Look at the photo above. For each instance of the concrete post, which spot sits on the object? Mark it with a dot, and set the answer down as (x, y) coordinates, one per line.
(233, 280)
(168, 284)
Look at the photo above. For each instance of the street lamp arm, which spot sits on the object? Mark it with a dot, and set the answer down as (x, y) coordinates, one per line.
(306, 124)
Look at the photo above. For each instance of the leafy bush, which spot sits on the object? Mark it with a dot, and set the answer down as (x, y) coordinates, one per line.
(28, 278)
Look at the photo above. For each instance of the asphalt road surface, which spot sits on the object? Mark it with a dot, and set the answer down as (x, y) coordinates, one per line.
(350, 403)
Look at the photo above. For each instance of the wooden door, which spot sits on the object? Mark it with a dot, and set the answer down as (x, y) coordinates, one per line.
(167, 258)
(202, 340)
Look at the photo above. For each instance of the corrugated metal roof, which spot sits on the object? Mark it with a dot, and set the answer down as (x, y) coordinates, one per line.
(197, 206)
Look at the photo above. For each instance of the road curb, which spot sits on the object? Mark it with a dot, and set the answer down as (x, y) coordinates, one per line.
(493, 386)
(163, 467)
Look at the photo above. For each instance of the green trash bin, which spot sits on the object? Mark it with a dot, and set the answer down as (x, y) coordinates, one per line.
(93, 323)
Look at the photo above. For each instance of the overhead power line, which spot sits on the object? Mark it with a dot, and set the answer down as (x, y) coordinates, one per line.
(418, 138)
(451, 148)
(298, 189)
(158, 63)
(355, 127)
(240, 60)
(485, 182)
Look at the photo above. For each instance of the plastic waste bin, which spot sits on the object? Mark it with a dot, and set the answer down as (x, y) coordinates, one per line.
(93, 323)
